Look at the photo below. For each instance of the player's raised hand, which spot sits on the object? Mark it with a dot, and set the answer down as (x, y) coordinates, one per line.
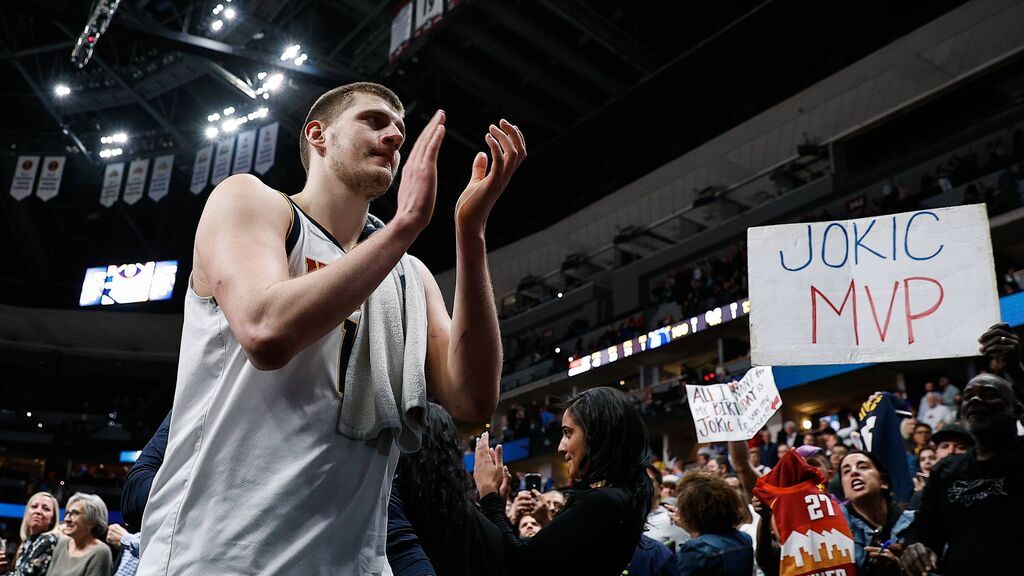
(489, 179)
(418, 190)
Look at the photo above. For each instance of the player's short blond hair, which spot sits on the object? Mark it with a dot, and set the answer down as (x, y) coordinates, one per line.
(332, 103)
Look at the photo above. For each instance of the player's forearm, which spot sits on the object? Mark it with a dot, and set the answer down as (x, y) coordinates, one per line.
(474, 351)
(291, 315)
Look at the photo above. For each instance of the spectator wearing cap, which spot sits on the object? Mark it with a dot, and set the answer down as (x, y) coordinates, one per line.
(668, 488)
(952, 439)
(974, 501)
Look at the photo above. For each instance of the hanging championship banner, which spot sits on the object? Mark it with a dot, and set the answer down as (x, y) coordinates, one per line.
(266, 148)
(111, 184)
(160, 183)
(243, 151)
(50, 177)
(910, 286)
(401, 31)
(428, 13)
(222, 161)
(136, 180)
(201, 170)
(24, 177)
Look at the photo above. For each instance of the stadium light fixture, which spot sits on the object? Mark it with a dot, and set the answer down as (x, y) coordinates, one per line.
(229, 110)
(217, 25)
(229, 125)
(211, 132)
(230, 14)
(213, 117)
(291, 52)
(61, 90)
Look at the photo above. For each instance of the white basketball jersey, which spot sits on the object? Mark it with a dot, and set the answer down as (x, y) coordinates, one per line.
(256, 478)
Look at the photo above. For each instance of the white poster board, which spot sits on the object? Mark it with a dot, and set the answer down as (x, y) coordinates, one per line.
(736, 410)
(909, 286)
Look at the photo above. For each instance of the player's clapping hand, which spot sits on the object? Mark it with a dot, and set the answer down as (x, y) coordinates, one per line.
(486, 183)
(418, 190)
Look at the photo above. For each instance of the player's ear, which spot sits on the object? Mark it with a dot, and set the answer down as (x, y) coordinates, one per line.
(316, 137)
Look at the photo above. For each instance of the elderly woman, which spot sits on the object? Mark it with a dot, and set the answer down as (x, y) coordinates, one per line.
(83, 552)
(38, 537)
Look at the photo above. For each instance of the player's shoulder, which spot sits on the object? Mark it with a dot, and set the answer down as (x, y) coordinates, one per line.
(244, 187)
(247, 194)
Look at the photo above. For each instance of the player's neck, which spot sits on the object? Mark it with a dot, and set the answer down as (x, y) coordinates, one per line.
(334, 206)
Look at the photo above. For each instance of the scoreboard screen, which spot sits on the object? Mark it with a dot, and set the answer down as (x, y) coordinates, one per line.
(128, 283)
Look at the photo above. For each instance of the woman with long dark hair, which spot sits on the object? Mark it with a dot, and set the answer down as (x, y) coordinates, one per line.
(876, 522)
(604, 442)
(433, 489)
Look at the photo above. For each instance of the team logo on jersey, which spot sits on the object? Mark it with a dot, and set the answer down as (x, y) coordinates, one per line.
(313, 265)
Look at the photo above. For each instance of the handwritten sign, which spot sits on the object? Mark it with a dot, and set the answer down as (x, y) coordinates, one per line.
(734, 411)
(909, 286)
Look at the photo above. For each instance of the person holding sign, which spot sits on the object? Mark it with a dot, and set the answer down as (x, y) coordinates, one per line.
(310, 341)
(973, 502)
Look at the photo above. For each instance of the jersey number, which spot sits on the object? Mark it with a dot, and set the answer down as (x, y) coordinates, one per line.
(814, 509)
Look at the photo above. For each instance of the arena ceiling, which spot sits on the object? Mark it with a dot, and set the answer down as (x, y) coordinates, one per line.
(604, 91)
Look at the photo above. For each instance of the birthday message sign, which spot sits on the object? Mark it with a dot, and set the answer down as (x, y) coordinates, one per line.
(736, 410)
(909, 286)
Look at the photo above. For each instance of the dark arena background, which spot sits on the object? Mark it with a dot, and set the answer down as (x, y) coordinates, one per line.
(659, 132)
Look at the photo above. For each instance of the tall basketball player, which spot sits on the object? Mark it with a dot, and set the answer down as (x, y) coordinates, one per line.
(259, 476)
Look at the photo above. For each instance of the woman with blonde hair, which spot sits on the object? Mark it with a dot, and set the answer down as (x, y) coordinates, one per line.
(38, 537)
(83, 552)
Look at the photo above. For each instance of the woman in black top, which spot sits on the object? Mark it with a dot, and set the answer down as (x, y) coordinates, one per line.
(433, 488)
(604, 441)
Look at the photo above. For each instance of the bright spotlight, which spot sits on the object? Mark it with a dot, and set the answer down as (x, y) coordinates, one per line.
(262, 112)
(298, 61)
(261, 75)
(105, 140)
(229, 13)
(218, 9)
(229, 125)
(291, 52)
(211, 132)
(274, 82)
(213, 117)
(229, 110)
(120, 137)
(217, 25)
(61, 90)
(266, 96)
